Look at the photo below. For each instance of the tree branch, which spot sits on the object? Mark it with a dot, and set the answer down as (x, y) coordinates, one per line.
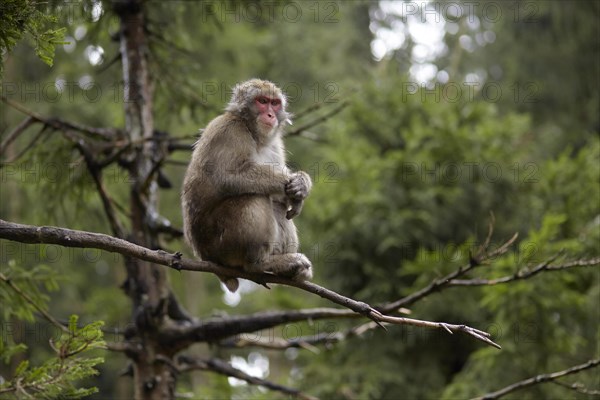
(62, 125)
(444, 282)
(536, 380)
(28, 147)
(219, 328)
(223, 368)
(82, 239)
(16, 132)
(305, 342)
(31, 302)
(318, 120)
(95, 171)
(526, 273)
(578, 387)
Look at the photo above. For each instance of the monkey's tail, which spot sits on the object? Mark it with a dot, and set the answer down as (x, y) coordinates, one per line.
(232, 284)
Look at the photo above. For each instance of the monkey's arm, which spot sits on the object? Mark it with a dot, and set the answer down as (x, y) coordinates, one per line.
(250, 177)
(236, 168)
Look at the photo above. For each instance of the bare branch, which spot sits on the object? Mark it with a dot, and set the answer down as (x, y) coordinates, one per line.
(72, 238)
(578, 387)
(450, 328)
(114, 156)
(308, 110)
(58, 124)
(223, 368)
(122, 347)
(539, 379)
(62, 125)
(28, 147)
(16, 132)
(488, 239)
(82, 239)
(94, 170)
(318, 120)
(305, 342)
(526, 273)
(444, 282)
(219, 328)
(149, 178)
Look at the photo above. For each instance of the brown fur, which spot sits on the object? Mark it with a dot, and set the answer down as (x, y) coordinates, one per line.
(238, 195)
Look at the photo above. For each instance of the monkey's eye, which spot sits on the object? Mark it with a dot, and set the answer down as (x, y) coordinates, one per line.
(275, 102)
(262, 100)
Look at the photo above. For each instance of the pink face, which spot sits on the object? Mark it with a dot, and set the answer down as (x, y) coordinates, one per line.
(268, 109)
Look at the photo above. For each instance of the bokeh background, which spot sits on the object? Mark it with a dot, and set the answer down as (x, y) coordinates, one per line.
(429, 117)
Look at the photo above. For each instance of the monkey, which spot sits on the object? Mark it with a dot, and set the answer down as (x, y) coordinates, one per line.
(238, 196)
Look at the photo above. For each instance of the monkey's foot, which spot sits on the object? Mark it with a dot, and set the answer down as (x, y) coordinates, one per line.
(290, 265)
(302, 268)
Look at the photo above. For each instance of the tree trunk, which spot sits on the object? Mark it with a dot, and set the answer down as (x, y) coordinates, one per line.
(146, 283)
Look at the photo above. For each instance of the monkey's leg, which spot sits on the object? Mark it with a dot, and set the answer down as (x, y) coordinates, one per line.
(281, 255)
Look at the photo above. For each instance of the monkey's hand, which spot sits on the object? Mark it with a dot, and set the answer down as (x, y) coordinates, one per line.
(295, 209)
(297, 189)
(298, 186)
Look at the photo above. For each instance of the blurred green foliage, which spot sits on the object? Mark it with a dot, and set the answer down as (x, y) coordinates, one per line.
(406, 177)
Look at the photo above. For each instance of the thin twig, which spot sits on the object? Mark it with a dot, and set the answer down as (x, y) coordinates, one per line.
(525, 273)
(578, 387)
(107, 202)
(319, 120)
(308, 110)
(444, 282)
(58, 124)
(149, 178)
(223, 368)
(28, 147)
(450, 328)
(488, 239)
(29, 300)
(539, 379)
(15, 133)
(308, 342)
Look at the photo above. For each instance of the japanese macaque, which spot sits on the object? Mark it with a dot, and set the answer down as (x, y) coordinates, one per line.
(239, 196)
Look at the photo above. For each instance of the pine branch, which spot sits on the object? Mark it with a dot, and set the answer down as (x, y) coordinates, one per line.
(31, 302)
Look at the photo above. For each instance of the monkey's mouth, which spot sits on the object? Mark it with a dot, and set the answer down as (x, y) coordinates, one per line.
(268, 123)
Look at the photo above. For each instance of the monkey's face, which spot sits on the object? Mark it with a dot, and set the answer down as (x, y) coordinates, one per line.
(261, 104)
(268, 109)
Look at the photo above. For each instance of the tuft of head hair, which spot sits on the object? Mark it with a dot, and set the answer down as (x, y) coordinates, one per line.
(245, 92)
